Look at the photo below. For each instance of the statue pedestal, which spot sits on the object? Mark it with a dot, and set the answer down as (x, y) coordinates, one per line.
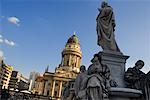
(116, 63)
(124, 94)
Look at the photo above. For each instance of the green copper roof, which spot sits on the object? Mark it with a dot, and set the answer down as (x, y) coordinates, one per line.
(73, 39)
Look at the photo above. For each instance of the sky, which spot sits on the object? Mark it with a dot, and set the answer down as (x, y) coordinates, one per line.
(33, 33)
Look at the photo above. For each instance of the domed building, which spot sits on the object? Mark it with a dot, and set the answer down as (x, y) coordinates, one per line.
(71, 58)
(52, 84)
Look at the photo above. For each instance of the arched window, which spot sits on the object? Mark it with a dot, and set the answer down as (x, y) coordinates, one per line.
(68, 62)
(55, 94)
(48, 93)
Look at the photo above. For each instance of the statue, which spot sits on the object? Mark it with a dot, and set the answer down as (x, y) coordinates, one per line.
(94, 83)
(98, 80)
(105, 28)
(80, 84)
(66, 91)
(136, 79)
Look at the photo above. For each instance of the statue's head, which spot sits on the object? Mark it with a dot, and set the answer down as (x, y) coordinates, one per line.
(139, 64)
(82, 69)
(96, 58)
(104, 4)
(96, 64)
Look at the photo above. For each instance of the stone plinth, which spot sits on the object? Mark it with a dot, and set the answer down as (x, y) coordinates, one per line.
(116, 63)
(124, 94)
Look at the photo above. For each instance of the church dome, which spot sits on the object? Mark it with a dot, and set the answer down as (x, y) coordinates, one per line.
(73, 39)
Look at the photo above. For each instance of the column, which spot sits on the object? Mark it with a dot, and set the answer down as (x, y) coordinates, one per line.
(40, 88)
(53, 88)
(60, 88)
(64, 61)
(77, 62)
(44, 83)
(70, 60)
(46, 87)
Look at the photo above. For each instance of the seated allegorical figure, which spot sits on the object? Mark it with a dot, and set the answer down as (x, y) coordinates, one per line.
(136, 79)
(93, 84)
(98, 80)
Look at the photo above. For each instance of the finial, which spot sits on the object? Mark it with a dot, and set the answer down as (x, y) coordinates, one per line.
(105, 1)
(74, 33)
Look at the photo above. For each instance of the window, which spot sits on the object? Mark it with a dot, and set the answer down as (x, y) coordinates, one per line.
(49, 84)
(48, 93)
(67, 62)
(5, 76)
(72, 85)
(56, 84)
(55, 94)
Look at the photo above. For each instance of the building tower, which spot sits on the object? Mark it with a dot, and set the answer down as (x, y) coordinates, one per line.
(71, 57)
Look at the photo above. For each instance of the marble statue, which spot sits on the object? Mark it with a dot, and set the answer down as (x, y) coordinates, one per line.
(93, 83)
(105, 28)
(79, 86)
(105, 78)
(97, 83)
(137, 79)
(66, 92)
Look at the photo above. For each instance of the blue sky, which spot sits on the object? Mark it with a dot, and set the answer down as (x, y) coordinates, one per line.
(45, 26)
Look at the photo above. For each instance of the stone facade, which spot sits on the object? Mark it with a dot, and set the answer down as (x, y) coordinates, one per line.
(18, 81)
(52, 84)
(5, 74)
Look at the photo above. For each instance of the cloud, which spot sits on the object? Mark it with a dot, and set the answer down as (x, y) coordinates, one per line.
(1, 53)
(8, 42)
(14, 20)
(1, 36)
(1, 40)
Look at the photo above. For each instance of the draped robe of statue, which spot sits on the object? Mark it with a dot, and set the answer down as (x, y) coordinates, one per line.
(66, 92)
(97, 81)
(105, 29)
(138, 80)
(80, 86)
